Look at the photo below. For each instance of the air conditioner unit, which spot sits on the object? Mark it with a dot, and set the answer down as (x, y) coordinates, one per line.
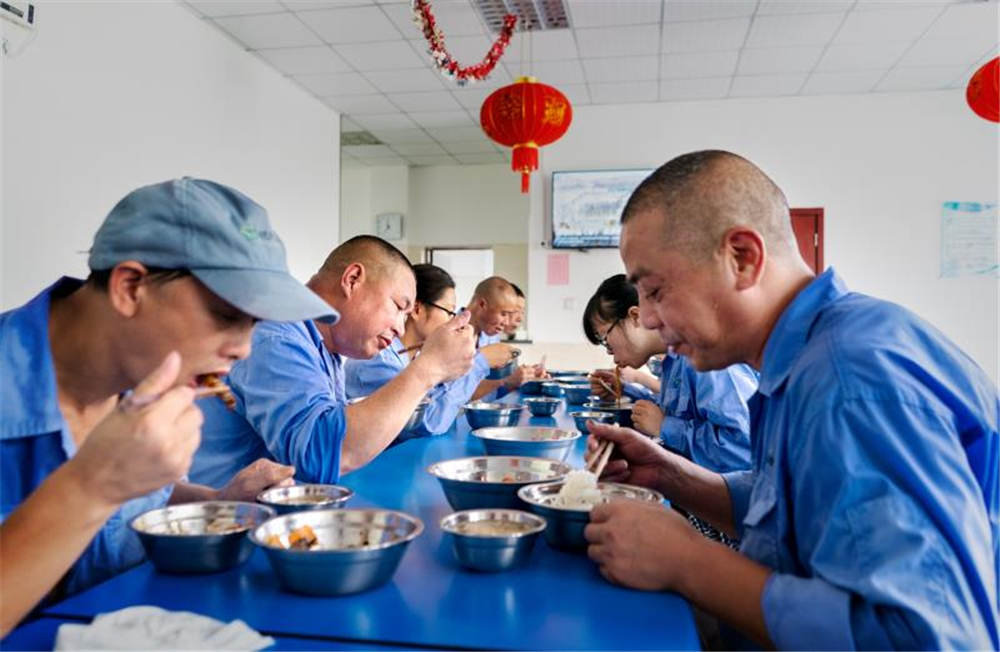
(17, 26)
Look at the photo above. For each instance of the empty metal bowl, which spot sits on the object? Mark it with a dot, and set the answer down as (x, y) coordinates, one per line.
(576, 394)
(493, 481)
(484, 415)
(492, 540)
(552, 388)
(204, 537)
(623, 414)
(552, 443)
(655, 364)
(356, 550)
(531, 387)
(581, 419)
(544, 406)
(302, 497)
(566, 525)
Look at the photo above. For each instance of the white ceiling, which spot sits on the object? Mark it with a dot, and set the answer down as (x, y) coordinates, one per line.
(368, 60)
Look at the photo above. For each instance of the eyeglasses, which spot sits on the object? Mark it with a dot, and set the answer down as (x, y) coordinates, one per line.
(603, 341)
(451, 313)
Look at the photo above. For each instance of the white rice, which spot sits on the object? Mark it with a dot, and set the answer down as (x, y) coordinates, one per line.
(579, 492)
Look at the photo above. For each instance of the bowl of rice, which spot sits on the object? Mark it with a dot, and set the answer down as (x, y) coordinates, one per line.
(566, 505)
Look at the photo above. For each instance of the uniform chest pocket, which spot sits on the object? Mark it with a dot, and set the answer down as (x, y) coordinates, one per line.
(760, 535)
(763, 500)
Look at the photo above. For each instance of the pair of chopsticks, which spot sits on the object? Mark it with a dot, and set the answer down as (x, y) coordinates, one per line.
(601, 456)
(132, 402)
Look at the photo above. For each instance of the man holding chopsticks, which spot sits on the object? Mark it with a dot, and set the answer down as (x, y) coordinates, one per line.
(870, 516)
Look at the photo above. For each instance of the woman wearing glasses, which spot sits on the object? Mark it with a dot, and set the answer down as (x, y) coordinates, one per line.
(435, 305)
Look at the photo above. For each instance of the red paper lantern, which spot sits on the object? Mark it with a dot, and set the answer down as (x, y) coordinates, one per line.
(526, 115)
(983, 94)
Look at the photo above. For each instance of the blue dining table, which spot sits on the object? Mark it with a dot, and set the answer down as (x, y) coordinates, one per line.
(557, 601)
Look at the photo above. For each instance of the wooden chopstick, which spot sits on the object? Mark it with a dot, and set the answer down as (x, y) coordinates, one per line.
(601, 457)
(415, 347)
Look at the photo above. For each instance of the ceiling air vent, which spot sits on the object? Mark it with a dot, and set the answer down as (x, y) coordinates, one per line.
(349, 138)
(532, 15)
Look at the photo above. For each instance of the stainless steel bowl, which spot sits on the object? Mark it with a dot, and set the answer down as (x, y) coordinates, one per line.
(357, 550)
(623, 414)
(483, 415)
(581, 419)
(552, 388)
(304, 497)
(566, 525)
(493, 481)
(531, 387)
(576, 394)
(552, 443)
(655, 364)
(415, 417)
(572, 380)
(499, 373)
(543, 406)
(568, 373)
(492, 540)
(204, 537)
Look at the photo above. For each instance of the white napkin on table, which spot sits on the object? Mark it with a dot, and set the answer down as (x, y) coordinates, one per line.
(152, 628)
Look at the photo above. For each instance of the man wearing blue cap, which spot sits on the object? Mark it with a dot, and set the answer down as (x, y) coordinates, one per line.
(291, 404)
(97, 414)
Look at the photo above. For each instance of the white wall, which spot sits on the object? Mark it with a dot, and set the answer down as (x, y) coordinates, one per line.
(112, 96)
(880, 165)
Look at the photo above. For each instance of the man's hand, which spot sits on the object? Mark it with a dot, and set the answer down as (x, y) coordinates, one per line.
(449, 351)
(647, 418)
(521, 375)
(636, 460)
(255, 478)
(497, 355)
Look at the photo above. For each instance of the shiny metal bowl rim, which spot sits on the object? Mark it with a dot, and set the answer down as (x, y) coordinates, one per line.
(539, 523)
(524, 494)
(430, 469)
(345, 494)
(575, 434)
(541, 399)
(269, 513)
(417, 531)
(507, 407)
(577, 414)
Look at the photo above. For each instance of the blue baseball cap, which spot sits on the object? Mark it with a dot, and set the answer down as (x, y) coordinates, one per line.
(222, 236)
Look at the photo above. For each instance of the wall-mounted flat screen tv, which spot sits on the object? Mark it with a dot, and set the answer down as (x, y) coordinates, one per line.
(587, 206)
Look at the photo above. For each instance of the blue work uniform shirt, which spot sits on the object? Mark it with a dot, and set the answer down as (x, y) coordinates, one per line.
(365, 377)
(486, 340)
(35, 439)
(874, 491)
(705, 414)
(290, 407)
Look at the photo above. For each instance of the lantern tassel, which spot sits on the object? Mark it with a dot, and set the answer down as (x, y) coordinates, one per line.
(525, 183)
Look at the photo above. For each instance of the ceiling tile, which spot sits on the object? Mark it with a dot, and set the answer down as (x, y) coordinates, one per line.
(472, 146)
(386, 162)
(556, 45)
(407, 81)
(351, 25)
(361, 104)
(707, 36)
(886, 25)
(454, 17)
(577, 94)
(587, 13)
(368, 151)
(402, 136)
(432, 160)
(418, 149)
(771, 7)
(968, 21)
(694, 89)
(777, 60)
(467, 50)
(272, 31)
(621, 69)
(352, 164)
(699, 64)
(879, 5)
(858, 56)
(481, 159)
(441, 118)
(214, 9)
(312, 60)
(692, 10)
(455, 134)
(555, 72)
(942, 52)
(346, 124)
(920, 79)
(348, 83)
(427, 101)
(767, 85)
(846, 81)
(382, 55)
(645, 91)
(311, 5)
(618, 41)
(384, 121)
(790, 30)
(472, 98)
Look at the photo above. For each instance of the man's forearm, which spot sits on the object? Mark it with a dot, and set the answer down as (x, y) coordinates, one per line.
(699, 491)
(486, 387)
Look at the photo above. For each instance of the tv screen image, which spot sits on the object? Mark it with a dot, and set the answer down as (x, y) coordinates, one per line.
(587, 206)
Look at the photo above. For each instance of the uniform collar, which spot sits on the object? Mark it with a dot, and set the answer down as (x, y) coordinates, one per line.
(792, 330)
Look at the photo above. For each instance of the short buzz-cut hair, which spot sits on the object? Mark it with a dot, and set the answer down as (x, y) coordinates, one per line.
(517, 291)
(378, 257)
(491, 288)
(703, 194)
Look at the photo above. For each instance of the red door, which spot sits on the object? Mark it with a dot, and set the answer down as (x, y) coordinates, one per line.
(808, 226)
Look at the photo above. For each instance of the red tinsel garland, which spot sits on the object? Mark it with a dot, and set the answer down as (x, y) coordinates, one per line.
(443, 60)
